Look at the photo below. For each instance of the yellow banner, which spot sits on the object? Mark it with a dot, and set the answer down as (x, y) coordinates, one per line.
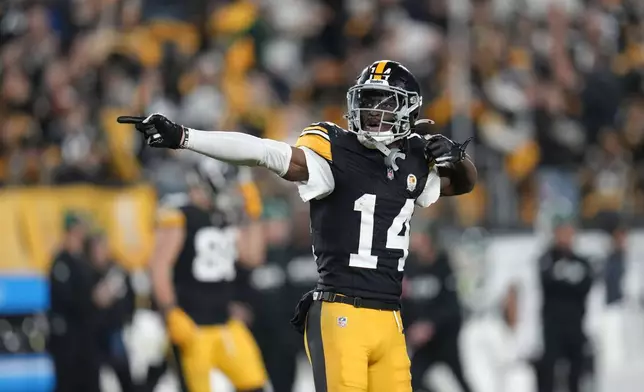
(31, 223)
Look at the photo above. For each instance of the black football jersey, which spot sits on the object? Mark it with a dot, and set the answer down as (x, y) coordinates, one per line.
(204, 272)
(360, 231)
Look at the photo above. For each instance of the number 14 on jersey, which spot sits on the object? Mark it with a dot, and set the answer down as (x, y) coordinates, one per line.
(366, 205)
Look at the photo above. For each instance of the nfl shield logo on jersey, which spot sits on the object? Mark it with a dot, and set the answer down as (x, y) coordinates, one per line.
(411, 182)
(342, 321)
(390, 173)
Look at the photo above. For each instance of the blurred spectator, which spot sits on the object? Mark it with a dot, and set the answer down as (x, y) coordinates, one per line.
(608, 174)
(74, 301)
(495, 360)
(432, 311)
(112, 319)
(566, 279)
(617, 277)
(615, 266)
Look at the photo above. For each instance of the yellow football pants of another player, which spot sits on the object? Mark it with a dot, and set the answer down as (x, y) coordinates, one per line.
(230, 348)
(356, 349)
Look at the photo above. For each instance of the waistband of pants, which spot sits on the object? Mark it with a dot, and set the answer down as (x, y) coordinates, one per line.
(357, 302)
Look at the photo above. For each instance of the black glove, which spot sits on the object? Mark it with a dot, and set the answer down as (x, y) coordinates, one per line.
(157, 130)
(442, 149)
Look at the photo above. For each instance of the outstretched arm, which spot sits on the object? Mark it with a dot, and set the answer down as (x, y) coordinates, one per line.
(232, 147)
(243, 149)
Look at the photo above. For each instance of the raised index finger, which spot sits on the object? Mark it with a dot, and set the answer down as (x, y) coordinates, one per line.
(130, 119)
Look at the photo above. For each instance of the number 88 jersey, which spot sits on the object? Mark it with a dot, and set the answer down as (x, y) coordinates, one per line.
(205, 269)
(360, 209)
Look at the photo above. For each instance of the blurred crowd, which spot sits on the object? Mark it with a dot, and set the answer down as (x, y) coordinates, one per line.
(554, 95)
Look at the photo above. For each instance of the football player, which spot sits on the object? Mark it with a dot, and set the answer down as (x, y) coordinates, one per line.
(193, 271)
(362, 184)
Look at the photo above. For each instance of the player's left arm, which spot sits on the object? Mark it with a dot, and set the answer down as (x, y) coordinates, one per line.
(452, 172)
(455, 168)
(457, 178)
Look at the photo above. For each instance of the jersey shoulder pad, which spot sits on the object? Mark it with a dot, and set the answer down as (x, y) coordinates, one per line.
(416, 141)
(318, 137)
(168, 217)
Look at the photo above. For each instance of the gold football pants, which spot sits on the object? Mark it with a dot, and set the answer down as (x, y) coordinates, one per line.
(230, 348)
(356, 349)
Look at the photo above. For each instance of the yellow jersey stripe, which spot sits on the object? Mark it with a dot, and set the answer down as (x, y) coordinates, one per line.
(317, 143)
(316, 132)
(380, 68)
(315, 128)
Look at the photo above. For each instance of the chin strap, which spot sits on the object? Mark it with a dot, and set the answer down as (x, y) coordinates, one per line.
(391, 155)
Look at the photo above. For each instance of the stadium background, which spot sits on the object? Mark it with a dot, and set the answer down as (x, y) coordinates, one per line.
(554, 96)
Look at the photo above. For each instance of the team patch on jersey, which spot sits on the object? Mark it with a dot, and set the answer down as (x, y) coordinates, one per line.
(390, 173)
(342, 321)
(411, 182)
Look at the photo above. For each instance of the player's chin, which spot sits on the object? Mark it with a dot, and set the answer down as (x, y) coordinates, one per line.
(375, 129)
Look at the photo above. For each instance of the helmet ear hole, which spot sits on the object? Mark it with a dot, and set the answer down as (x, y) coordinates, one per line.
(413, 116)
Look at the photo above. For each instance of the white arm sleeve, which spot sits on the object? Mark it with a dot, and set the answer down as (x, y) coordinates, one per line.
(241, 149)
(432, 190)
(320, 183)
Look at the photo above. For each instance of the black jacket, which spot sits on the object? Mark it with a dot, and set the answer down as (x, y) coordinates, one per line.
(430, 294)
(72, 315)
(566, 279)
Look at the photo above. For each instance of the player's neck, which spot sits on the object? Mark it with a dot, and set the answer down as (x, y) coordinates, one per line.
(397, 144)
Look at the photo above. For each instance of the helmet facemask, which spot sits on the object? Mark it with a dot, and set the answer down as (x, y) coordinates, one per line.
(380, 113)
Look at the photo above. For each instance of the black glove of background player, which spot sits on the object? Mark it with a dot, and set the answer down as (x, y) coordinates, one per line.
(442, 149)
(157, 130)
